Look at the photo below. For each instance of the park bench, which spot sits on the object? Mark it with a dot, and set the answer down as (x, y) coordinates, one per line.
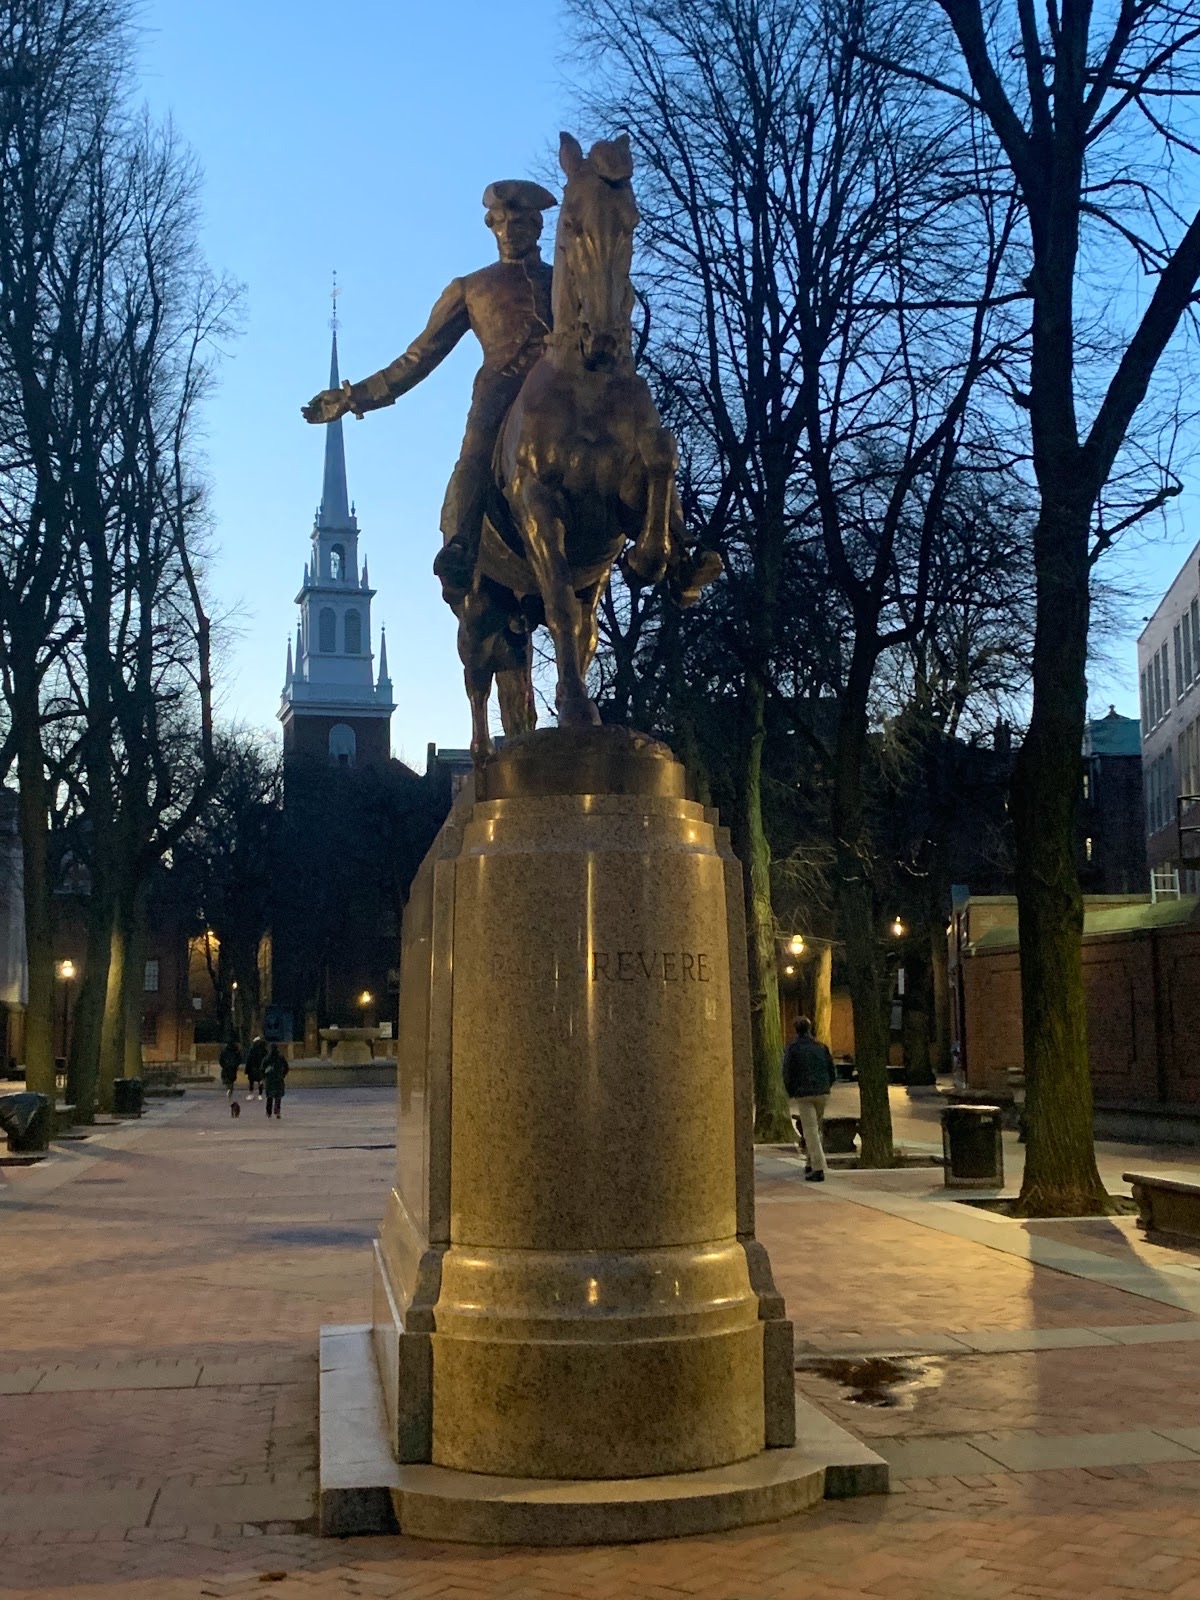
(1166, 1205)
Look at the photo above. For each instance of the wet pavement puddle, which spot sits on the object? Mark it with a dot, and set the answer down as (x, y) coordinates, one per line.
(891, 1381)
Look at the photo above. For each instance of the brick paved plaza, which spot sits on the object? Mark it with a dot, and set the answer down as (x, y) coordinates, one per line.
(161, 1287)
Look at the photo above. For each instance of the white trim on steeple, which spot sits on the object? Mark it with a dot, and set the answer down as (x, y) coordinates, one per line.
(335, 605)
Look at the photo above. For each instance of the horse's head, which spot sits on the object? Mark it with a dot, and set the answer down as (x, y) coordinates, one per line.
(593, 250)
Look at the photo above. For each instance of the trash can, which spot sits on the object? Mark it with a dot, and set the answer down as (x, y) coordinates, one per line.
(972, 1147)
(27, 1121)
(127, 1097)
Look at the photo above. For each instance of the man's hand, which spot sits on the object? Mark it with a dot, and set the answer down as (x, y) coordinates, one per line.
(328, 406)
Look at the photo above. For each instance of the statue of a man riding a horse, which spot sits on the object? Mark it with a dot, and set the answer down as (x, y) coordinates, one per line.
(566, 467)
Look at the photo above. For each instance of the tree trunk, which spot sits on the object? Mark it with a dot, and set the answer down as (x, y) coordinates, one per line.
(34, 811)
(941, 1000)
(856, 920)
(83, 1067)
(918, 1066)
(112, 1031)
(135, 990)
(854, 905)
(822, 1017)
(772, 1122)
(1061, 1178)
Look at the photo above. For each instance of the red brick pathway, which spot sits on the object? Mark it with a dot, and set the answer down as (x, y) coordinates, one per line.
(198, 1257)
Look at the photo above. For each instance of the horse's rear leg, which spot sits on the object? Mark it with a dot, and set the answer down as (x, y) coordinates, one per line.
(545, 547)
(514, 689)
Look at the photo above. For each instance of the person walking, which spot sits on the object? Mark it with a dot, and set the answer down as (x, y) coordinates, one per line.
(230, 1060)
(808, 1076)
(255, 1057)
(275, 1070)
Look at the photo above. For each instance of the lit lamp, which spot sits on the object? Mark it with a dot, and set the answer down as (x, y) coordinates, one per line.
(364, 998)
(897, 929)
(66, 971)
(789, 971)
(796, 945)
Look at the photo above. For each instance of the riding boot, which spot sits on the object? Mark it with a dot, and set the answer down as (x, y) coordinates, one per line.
(454, 566)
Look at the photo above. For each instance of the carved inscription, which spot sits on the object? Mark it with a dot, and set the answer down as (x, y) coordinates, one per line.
(605, 966)
(647, 966)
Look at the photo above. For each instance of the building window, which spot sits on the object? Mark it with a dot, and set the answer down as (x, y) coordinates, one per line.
(1087, 849)
(1188, 670)
(1145, 708)
(150, 978)
(1087, 784)
(1158, 689)
(342, 745)
(1180, 680)
(327, 631)
(354, 633)
(1166, 661)
(337, 563)
(1196, 637)
(150, 1027)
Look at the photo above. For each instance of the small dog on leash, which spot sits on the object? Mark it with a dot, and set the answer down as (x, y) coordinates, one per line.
(235, 1109)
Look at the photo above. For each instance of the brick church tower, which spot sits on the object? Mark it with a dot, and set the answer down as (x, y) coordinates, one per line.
(334, 709)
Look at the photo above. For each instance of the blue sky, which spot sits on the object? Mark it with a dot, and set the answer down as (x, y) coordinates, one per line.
(361, 137)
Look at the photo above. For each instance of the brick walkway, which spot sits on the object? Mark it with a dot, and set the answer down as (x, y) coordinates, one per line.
(161, 1287)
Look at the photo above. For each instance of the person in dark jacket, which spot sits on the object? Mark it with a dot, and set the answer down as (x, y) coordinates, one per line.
(808, 1076)
(230, 1060)
(255, 1057)
(275, 1070)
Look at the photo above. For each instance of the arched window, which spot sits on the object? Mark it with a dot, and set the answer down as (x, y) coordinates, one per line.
(327, 631)
(337, 563)
(354, 633)
(342, 745)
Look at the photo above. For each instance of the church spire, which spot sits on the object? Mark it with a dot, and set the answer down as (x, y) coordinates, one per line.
(385, 683)
(335, 499)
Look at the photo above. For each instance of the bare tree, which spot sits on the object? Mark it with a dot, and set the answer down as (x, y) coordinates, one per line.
(1089, 117)
(107, 325)
(822, 331)
(61, 73)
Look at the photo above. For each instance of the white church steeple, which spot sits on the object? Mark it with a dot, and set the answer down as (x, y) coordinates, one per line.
(331, 675)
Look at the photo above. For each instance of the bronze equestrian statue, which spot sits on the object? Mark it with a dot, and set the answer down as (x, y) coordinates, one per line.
(582, 465)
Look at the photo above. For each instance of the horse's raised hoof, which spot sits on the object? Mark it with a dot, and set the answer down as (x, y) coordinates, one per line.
(693, 575)
(650, 565)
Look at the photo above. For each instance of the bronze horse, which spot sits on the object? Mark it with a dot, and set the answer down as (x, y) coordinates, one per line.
(583, 465)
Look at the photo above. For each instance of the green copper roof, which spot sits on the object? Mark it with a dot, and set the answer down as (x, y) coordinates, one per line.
(1137, 918)
(1113, 735)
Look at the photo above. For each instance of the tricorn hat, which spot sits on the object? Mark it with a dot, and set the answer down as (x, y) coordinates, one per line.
(519, 194)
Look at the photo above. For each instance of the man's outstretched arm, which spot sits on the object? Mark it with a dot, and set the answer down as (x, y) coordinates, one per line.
(447, 323)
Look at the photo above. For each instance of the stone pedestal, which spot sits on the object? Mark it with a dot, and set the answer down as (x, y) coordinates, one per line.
(567, 1283)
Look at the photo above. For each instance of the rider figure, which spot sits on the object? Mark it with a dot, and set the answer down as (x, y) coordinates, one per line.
(507, 307)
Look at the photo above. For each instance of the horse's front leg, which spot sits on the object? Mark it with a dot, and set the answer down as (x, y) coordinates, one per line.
(589, 623)
(545, 540)
(652, 548)
(477, 671)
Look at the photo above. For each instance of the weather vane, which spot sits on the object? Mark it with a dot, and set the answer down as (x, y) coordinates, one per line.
(333, 321)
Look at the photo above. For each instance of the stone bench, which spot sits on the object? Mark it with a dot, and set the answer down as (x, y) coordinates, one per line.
(837, 1135)
(1166, 1205)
